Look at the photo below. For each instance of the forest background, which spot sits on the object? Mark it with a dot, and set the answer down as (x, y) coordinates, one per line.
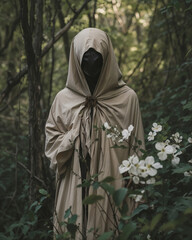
(152, 40)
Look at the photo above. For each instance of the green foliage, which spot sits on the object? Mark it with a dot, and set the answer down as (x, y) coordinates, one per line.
(152, 43)
(105, 236)
(119, 195)
(92, 199)
(70, 224)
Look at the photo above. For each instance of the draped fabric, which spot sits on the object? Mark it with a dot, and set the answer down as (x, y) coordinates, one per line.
(70, 132)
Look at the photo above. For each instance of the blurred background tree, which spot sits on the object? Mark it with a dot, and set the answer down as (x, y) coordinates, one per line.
(152, 43)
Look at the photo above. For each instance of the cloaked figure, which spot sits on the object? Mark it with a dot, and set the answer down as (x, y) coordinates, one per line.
(94, 94)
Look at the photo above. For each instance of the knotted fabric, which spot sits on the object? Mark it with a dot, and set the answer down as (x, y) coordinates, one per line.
(90, 102)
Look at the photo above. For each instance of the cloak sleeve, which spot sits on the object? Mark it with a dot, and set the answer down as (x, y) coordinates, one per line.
(136, 121)
(60, 137)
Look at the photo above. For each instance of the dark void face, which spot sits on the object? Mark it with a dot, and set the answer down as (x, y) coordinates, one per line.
(91, 65)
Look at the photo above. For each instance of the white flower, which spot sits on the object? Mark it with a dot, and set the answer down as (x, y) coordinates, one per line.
(138, 197)
(167, 142)
(176, 150)
(109, 135)
(177, 138)
(190, 161)
(113, 136)
(136, 179)
(151, 136)
(188, 174)
(135, 160)
(175, 147)
(156, 127)
(151, 181)
(130, 128)
(106, 126)
(152, 166)
(190, 139)
(125, 166)
(135, 166)
(127, 132)
(157, 165)
(164, 150)
(143, 169)
(148, 237)
(175, 161)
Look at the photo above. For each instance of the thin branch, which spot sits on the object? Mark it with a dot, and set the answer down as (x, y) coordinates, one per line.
(28, 171)
(70, 6)
(132, 15)
(94, 12)
(62, 24)
(12, 82)
(13, 99)
(53, 61)
(138, 64)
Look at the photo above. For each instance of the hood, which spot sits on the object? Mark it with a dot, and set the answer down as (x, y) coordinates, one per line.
(110, 77)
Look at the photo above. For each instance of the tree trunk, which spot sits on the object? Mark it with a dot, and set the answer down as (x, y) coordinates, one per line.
(34, 95)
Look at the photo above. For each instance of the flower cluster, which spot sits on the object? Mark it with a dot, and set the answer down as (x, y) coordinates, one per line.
(138, 197)
(155, 129)
(117, 135)
(166, 149)
(141, 171)
(176, 137)
(170, 147)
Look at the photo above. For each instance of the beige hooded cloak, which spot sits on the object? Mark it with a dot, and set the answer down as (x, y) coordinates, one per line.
(70, 125)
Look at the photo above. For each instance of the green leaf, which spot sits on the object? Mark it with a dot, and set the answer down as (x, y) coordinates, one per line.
(187, 118)
(73, 219)
(149, 226)
(42, 199)
(96, 185)
(34, 204)
(124, 209)
(92, 199)
(139, 209)
(72, 228)
(188, 106)
(3, 237)
(155, 221)
(105, 236)
(119, 195)
(43, 191)
(107, 187)
(182, 169)
(108, 179)
(127, 230)
(67, 213)
(38, 207)
(25, 229)
(65, 235)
